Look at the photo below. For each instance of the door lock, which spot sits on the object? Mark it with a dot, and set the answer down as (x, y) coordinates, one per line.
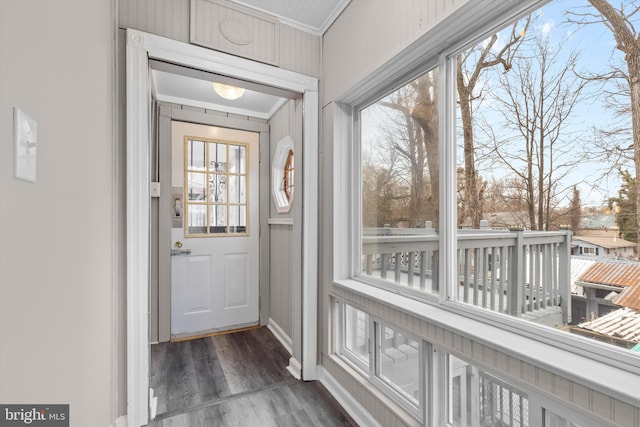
(178, 244)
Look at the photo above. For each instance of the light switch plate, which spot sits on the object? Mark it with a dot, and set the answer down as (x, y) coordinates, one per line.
(25, 144)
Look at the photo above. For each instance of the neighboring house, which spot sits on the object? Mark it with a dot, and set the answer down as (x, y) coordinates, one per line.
(602, 225)
(621, 326)
(602, 246)
(599, 286)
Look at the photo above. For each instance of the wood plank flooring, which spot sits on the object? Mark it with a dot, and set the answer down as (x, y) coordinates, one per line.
(238, 379)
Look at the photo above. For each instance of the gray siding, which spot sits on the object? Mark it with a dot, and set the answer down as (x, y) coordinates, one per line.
(273, 42)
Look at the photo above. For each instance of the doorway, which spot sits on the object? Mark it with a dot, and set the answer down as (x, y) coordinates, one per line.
(140, 48)
(214, 241)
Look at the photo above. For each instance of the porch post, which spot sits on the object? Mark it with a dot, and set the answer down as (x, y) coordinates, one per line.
(516, 282)
(564, 274)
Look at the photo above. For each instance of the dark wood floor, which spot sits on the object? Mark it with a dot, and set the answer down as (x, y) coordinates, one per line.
(237, 379)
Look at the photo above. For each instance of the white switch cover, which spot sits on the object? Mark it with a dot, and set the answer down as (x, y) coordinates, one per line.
(25, 144)
(155, 189)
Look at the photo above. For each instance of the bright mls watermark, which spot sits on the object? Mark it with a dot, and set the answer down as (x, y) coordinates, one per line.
(34, 415)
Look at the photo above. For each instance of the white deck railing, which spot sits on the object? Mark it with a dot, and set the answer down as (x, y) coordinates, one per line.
(512, 272)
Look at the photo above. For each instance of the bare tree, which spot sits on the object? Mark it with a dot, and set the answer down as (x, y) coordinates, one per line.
(412, 134)
(470, 65)
(538, 98)
(620, 21)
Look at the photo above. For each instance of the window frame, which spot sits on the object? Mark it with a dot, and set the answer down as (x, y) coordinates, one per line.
(371, 371)
(347, 208)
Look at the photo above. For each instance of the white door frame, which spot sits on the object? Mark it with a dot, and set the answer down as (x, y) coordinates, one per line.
(140, 47)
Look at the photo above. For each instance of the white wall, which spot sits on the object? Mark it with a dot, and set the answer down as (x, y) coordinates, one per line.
(56, 236)
(369, 33)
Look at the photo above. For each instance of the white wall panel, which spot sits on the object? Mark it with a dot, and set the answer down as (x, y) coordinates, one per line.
(369, 33)
(299, 51)
(234, 29)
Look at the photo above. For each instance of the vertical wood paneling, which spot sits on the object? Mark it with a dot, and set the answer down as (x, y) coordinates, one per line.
(280, 280)
(286, 240)
(273, 42)
(299, 51)
(167, 18)
(234, 29)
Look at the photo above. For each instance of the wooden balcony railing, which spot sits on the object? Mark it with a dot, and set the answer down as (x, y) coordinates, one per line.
(513, 272)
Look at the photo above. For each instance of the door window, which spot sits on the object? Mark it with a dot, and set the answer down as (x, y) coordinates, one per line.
(216, 192)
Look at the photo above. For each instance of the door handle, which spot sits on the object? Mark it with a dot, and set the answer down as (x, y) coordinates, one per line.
(175, 252)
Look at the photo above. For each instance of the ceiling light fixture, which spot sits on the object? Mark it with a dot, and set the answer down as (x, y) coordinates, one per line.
(228, 92)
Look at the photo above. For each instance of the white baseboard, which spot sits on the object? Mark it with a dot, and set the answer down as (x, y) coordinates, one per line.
(121, 421)
(277, 331)
(295, 368)
(344, 398)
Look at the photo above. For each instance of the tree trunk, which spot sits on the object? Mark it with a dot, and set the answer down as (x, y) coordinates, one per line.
(470, 183)
(633, 62)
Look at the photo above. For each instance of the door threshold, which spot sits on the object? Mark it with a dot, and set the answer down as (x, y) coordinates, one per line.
(183, 337)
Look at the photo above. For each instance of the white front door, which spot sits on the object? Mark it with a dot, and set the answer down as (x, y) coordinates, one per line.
(215, 239)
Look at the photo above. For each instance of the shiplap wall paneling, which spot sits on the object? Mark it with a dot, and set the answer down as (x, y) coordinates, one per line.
(280, 280)
(590, 402)
(299, 51)
(167, 18)
(288, 122)
(234, 29)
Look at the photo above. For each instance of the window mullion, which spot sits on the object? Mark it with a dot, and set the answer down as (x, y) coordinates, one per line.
(448, 189)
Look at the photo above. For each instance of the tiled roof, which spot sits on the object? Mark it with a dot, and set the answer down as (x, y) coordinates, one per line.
(605, 242)
(630, 297)
(613, 273)
(623, 323)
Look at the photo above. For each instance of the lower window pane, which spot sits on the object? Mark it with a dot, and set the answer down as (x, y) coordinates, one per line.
(553, 420)
(197, 219)
(398, 362)
(399, 178)
(356, 334)
(476, 398)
